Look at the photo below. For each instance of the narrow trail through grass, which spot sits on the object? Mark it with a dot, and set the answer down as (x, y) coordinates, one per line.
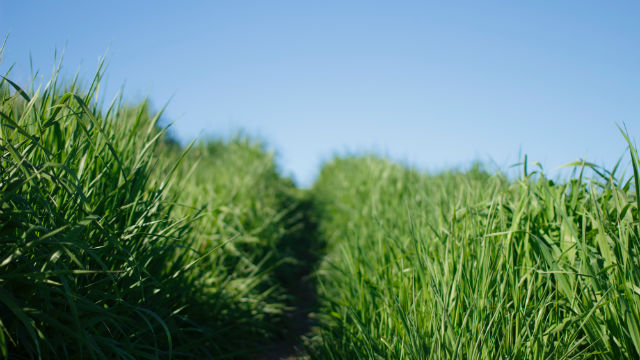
(298, 279)
(117, 243)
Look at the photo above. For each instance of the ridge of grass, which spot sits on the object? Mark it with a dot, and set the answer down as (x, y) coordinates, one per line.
(470, 265)
(117, 243)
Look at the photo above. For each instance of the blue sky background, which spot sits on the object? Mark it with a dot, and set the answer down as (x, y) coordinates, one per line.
(434, 84)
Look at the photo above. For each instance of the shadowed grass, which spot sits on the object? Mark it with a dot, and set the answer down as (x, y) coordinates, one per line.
(116, 243)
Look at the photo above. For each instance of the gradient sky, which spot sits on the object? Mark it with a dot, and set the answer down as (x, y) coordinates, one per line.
(434, 84)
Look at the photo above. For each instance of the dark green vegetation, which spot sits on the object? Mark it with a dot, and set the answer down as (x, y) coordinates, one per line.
(115, 242)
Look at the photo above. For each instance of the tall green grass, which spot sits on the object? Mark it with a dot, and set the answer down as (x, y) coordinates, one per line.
(117, 243)
(470, 265)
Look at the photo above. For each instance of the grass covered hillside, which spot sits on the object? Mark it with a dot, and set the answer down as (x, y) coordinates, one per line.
(468, 265)
(117, 243)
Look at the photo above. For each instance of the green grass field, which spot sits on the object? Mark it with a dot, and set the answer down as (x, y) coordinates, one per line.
(471, 265)
(118, 243)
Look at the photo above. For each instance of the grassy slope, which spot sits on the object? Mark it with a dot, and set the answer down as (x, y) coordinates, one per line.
(110, 248)
(467, 265)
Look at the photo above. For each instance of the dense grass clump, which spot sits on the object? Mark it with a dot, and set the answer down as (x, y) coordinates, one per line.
(116, 243)
(472, 266)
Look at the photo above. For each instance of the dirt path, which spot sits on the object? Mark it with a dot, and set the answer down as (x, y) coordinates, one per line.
(300, 319)
(305, 247)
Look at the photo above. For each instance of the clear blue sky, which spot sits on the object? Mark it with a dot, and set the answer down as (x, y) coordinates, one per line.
(436, 84)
